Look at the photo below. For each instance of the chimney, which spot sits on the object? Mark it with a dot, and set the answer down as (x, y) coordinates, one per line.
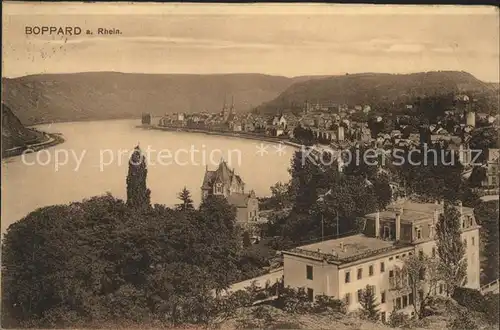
(377, 224)
(342, 246)
(319, 250)
(398, 223)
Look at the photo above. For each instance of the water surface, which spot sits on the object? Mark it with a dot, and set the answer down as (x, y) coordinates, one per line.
(106, 146)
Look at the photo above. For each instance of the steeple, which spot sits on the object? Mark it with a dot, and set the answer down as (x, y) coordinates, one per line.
(224, 107)
(232, 105)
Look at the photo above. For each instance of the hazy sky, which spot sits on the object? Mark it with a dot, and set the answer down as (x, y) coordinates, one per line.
(277, 39)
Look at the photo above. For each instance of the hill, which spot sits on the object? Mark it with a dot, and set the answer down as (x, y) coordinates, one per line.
(14, 134)
(111, 95)
(380, 89)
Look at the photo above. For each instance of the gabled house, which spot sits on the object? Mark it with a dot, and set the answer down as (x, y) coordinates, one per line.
(224, 182)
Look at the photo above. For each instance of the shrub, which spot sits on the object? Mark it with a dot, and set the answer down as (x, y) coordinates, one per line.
(492, 308)
(463, 321)
(325, 303)
(470, 298)
(397, 319)
(294, 301)
(240, 298)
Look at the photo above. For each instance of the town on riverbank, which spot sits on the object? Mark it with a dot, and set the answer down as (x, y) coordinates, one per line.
(460, 129)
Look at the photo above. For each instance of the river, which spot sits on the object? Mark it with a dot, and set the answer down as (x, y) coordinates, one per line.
(94, 160)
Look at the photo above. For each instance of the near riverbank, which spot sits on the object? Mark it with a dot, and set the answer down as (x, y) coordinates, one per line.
(51, 139)
(241, 135)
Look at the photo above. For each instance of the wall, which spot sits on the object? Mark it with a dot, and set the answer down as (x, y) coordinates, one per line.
(241, 214)
(473, 258)
(325, 280)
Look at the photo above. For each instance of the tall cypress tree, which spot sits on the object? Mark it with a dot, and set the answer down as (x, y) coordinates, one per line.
(138, 194)
(450, 248)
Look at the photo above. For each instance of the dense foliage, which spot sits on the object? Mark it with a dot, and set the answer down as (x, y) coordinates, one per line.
(321, 197)
(473, 300)
(101, 261)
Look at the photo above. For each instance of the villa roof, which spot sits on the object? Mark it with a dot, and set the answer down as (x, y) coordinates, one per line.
(222, 174)
(412, 211)
(353, 245)
(347, 249)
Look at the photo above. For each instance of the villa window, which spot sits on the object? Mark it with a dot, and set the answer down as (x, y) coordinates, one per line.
(410, 298)
(370, 270)
(391, 273)
(382, 267)
(473, 241)
(360, 273)
(347, 277)
(310, 294)
(382, 297)
(419, 233)
(405, 301)
(309, 272)
(347, 299)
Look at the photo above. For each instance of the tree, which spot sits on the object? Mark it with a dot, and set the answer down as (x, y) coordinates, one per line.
(305, 175)
(186, 202)
(450, 248)
(368, 301)
(482, 139)
(477, 176)
(138, 195)
(433, 173)
(419, 276)
(486, 215)
(280, 195)
(246, 239)
(221, 249)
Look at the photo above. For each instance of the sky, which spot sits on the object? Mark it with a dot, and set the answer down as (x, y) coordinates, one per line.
(277, 39)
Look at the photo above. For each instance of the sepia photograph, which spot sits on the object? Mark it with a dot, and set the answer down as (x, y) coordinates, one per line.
(249, 166)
